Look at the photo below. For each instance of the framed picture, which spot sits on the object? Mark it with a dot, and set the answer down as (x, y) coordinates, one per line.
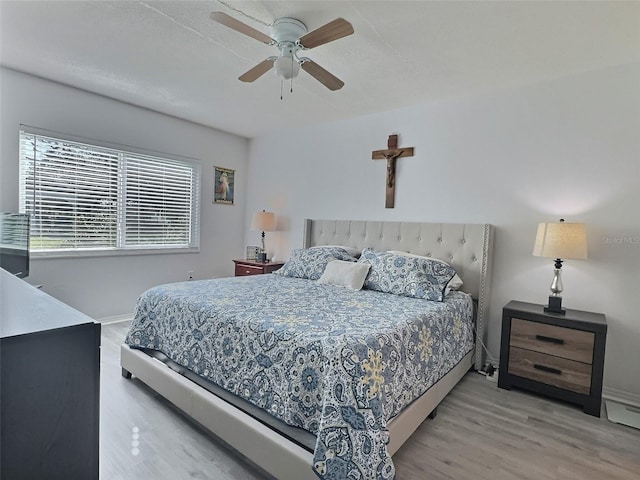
(252, 252)
(223, 184)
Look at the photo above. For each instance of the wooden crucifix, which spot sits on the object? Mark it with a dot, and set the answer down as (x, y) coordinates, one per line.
(391, 154)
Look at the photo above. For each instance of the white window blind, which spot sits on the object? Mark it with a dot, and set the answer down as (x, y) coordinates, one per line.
(85, 197)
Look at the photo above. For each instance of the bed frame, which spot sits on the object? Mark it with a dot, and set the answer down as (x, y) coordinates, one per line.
(467, 247)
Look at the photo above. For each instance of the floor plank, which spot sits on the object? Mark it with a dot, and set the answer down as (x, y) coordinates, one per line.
(480, 432)
(142, 436)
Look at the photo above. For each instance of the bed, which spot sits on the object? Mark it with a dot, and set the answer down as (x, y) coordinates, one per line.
(338, 401)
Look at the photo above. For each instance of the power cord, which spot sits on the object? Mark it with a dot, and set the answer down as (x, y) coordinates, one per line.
(490, 357)
(488, 370)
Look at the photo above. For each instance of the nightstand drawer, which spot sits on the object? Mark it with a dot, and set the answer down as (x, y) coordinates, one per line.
(559, 372)
(251, 267)
(243, 270)
(553, 340)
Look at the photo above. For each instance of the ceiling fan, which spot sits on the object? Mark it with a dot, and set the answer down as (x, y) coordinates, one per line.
(290, 36)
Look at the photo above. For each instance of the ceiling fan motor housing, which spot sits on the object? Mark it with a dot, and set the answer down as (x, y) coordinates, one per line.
(286, 32)
(287, 29)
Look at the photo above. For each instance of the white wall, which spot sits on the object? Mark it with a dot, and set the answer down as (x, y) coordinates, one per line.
(565, 148)
(108, 286)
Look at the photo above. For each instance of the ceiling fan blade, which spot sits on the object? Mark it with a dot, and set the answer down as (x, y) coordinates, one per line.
(238, 26)
(257, 71)
(331, 31)
(316, 71)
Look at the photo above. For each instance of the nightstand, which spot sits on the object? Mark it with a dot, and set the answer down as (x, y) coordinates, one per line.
(561, 356)
(252, 267)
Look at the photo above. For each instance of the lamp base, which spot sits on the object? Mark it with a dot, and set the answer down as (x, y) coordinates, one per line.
(261, 257)
(555, 305)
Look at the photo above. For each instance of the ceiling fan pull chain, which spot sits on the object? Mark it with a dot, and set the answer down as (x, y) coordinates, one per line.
(292, 75)
(281, 82)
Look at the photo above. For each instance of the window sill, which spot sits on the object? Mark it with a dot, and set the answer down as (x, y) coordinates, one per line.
(110, 253)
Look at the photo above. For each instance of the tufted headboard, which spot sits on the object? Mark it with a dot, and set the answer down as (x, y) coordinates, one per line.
(466, 247)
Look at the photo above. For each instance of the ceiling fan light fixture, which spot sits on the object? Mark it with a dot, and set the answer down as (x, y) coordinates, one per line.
(290, 36)
(286, 67)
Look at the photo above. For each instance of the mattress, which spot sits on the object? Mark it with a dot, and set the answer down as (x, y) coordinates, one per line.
(337, 363)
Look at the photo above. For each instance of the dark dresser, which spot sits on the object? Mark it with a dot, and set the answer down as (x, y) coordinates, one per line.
(49, 387)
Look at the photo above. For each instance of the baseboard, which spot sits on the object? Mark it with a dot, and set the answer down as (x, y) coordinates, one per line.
(621, 396)
(115, 319)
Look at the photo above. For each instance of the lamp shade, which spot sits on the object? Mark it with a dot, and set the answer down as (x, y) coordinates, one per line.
(561, 240)
(263, 221)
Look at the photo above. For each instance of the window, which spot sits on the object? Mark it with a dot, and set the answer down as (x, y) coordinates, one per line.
(88, 198)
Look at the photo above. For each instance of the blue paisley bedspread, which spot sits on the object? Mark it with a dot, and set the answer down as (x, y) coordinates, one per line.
(337, 363)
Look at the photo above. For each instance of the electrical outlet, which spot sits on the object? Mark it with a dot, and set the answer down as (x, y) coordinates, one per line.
(190, 274)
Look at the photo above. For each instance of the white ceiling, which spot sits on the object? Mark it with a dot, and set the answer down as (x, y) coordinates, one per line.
(170, 57)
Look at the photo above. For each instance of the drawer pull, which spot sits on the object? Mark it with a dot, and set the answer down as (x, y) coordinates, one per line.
(544, 368)
(544, 338)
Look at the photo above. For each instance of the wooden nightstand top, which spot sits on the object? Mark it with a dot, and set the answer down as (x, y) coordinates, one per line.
(255, 263)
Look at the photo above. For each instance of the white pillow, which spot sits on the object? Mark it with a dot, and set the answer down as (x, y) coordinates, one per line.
(345, 274)
(454, 284)
(354, 252)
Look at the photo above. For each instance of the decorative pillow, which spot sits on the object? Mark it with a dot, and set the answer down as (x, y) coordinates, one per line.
(345, 274)
(310, 262)
(454, 284)
(408, 276)
(354, 252)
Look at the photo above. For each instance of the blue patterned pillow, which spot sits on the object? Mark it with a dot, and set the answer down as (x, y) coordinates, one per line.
(408, 276)
(311, 262)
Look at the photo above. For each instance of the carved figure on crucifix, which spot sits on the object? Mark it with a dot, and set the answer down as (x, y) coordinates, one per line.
(391, 154)
(391, 168)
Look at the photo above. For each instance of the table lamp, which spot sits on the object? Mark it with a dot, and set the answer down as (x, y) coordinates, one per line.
(266, 222)
(560, 240)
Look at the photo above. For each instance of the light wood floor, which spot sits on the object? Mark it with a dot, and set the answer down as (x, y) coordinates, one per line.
(481, 432)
